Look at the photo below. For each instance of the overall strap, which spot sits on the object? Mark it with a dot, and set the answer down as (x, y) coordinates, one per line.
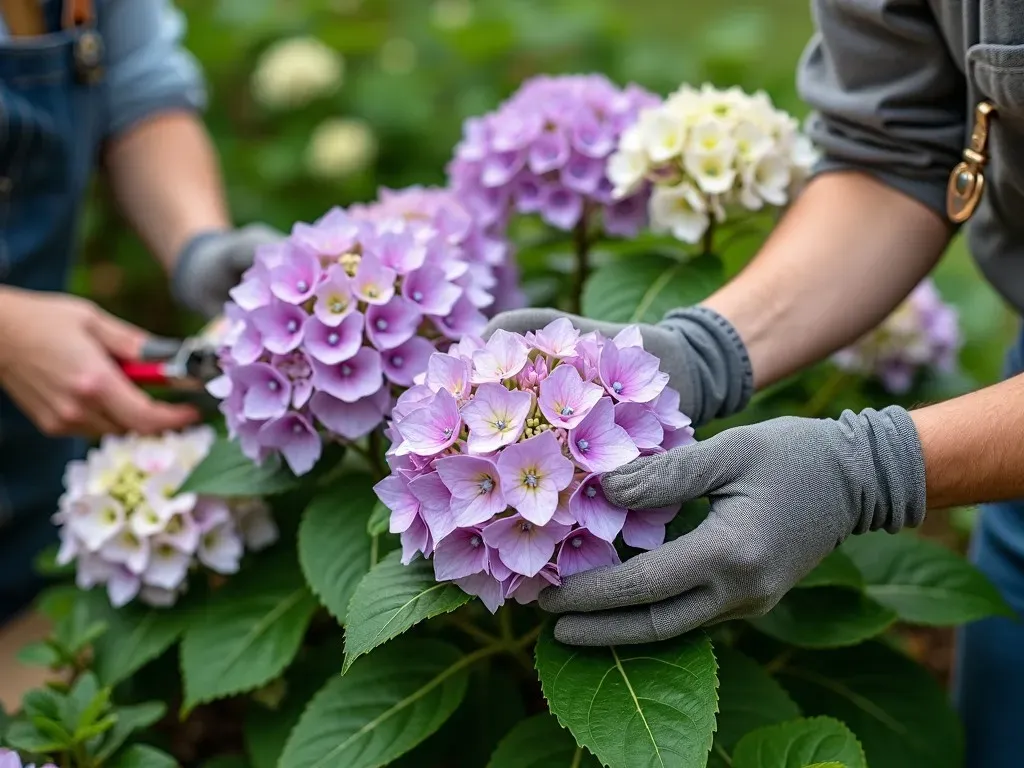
(24, 18)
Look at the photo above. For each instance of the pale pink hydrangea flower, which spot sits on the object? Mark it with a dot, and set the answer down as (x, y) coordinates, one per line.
(498, 449)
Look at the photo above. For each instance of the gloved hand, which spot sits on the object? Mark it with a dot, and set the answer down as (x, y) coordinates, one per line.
(784, 493)
(212, 263)
(699, 349)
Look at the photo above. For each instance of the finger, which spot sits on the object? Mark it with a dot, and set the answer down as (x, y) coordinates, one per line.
(523, 320)
(122, 340)
(682, 474)
(132, 410)
(660, 574)
(647, 624)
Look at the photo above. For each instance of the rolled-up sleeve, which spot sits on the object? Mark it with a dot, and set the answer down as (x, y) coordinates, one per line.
(147, 68)
(887, 97)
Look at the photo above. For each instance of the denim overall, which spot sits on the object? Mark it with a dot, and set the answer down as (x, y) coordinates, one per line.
(989, 675)
(50, 130)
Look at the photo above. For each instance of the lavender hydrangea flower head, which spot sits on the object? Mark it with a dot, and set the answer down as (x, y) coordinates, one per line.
(498, 449)
(921, 334)
(492, 278)
(545, 151)
(330, 324)
(10, 759)
(123, 521)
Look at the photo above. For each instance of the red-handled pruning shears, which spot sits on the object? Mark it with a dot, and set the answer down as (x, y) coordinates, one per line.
(185, 364)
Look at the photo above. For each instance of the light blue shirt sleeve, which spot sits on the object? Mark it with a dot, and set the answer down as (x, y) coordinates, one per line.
(147, 68)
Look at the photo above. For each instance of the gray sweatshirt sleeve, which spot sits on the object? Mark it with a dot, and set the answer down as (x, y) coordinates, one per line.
(888, 98)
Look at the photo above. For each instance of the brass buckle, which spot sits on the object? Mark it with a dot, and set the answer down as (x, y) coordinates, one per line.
(967, 179)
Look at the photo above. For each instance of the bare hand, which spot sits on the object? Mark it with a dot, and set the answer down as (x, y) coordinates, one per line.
(57, 362)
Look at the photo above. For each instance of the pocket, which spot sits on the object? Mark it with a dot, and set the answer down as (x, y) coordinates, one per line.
(997, 72)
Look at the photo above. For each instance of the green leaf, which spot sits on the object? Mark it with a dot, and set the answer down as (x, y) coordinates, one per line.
(78, 628)
(642, 289)
(267, 730)
(923, 582)
(136, 636)
(836, 570)
(826, 617)
(39, 654)
(390, 599)
(334, 548)
(226, 471)
(798, 743)
(634, 705)
(828, 765)
(540, 742)
(897, 709)
(385, 706)
(248, 632)
(130, 720)
(42, 702)
(25, 737)
(748, 698)
(379, 520)
(85, 702)
(142, 756)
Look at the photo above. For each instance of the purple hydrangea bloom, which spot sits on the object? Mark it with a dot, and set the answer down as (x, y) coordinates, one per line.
(922, 334)
(545, 151)
(126, 527)
(329, 326)
(498, 449)
(10, 759)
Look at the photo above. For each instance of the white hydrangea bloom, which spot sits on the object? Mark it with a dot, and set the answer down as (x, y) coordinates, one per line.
(123, 522)
(296, 71)
(340, 147)
(711, 153)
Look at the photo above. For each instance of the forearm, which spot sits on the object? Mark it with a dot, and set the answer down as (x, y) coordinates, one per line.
(165, 177)
(842, 259)
(974, 446)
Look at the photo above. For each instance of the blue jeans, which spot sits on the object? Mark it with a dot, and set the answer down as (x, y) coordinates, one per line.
(989, 674)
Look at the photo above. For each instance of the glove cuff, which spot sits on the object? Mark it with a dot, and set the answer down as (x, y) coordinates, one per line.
(893, 488)
(723, 376)
(182, 285)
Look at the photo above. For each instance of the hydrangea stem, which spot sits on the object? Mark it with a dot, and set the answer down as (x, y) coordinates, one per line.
(581, 244)
(707, 245)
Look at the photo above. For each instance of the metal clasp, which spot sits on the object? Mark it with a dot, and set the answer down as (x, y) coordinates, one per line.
(967, 179)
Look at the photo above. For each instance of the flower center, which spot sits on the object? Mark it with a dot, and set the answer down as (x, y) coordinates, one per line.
(337, 306)
(525, 526)
(530, 479)
(567, 411)
(617, 386)
(293, 326)
(576, 542)
(371, 291)
(346, 370)
(591, 491)
(110, 516)
(382, 324)
(486, 485)
(447, 431)
(297, 428)
(333, 339)
(272, 386)
(397, 361)
(500, 424)
(474, 541)
(417, 295)
(582, 444)
(302, 285)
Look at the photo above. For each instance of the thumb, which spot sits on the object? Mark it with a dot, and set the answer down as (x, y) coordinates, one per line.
(122, 340)
(682, 474)
(523, 320)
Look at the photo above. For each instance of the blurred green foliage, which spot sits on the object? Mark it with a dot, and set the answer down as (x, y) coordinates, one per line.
(415, 69)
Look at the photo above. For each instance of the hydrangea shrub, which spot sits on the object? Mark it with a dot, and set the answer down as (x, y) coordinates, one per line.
(426, 484)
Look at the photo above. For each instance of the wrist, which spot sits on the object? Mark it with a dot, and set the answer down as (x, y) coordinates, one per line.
(717, 361)
(883, 463)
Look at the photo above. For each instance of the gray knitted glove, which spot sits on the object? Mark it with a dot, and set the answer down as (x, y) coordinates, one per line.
(784, 493)
(698, 348)
(211, 264)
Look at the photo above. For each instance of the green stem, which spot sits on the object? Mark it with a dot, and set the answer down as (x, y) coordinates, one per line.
(823, 398)
(581, 242)
(505, 623)
(707, 246)
(722, 754)
(475, 632)
(374, 549)
(778, 662)
(377, 454)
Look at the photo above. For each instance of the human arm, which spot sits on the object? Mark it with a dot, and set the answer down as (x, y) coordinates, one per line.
(160, 161)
